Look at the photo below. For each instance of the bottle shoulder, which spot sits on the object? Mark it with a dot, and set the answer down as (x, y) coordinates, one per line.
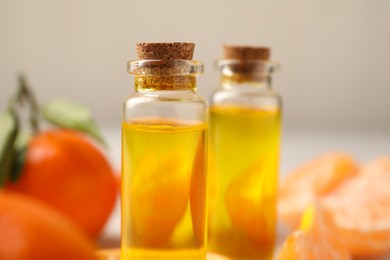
(182, 106)
(165, 96)
(245, 91)
(249, 96)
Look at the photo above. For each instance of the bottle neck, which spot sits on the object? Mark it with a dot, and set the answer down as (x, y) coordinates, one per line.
(246, 73)
(245, 80)
(165, 82)
(153, 75)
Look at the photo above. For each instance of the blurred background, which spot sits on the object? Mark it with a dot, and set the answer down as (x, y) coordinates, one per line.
(334, 57)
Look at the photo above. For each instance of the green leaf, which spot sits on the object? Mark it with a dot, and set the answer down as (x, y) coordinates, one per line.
(8, 133)
(74, 116)
(20, 151)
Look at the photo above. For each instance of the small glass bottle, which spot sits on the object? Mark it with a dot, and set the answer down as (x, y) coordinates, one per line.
(245, 126)
(164, 156)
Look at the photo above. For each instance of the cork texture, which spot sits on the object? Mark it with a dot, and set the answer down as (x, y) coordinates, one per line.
(241, 52)
(165, 50)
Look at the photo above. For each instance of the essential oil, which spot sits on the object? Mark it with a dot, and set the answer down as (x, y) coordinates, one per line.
(245, 125)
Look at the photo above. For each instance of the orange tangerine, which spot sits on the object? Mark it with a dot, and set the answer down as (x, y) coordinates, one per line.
(66, 171)
(32, 230)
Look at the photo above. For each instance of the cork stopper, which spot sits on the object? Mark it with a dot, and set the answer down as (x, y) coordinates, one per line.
(240, 52)
(165, 50)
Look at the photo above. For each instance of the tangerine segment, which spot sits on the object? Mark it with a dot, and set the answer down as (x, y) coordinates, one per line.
(315, 240)
(361, 210)
(31, 230)
(211, 256)
(319, 223)
(378, 166)
(310, 181)
(251, 210)
(297, 246)
(198, 194)
(159, 196)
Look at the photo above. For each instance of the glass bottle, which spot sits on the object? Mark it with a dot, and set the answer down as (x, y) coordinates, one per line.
(245, 126)
(164, 156)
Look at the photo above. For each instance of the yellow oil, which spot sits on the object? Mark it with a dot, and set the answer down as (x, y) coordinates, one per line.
(163, 190)
(244, 155)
